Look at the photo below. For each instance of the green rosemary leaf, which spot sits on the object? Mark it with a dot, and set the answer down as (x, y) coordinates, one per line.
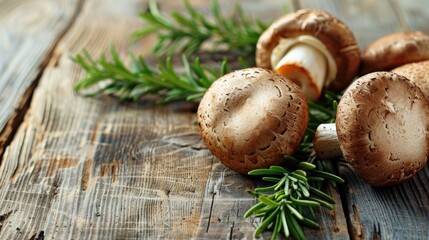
(315, 179)
(280, 197)
(294, 211)
(253, 193)
(301, 172)
(266, 189)
(287, 186)
(263, 171)
(328, 175)
(268, 201)
(277, 227)
(284, 223)
(307, 203)
(298, 176)
(266, 222)
(322, 203)
(253, 209)
(310, 223)
(306, 165)
(279, 169)
(160, 19)
(304, 189)
(322, 195)
(294, 227)
(271, 179)
(280, 183)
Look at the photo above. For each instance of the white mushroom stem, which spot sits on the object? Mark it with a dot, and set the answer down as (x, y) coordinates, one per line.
(306, 66)
(306, 61)
(326, 143)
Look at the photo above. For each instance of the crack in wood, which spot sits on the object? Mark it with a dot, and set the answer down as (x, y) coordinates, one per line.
(39, 236)
(4, 217)
(376, 234)
(7, 134)
(11, 127)
(231, 231)
(211, 211)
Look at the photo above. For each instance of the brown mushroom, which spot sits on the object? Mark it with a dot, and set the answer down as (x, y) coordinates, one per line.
(395, 50)
(382, 129)
(312, 48)
(251, 118)
(418, 73)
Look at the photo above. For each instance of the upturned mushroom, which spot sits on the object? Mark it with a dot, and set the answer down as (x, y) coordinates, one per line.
(381, 129)
(395, 50)
(418, 73)
(312, 48)
(251, 118)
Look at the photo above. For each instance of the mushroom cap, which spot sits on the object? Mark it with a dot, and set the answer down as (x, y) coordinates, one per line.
(251, 118)
(382, 125)
(394, 50)
(418, 73)
(333, 33)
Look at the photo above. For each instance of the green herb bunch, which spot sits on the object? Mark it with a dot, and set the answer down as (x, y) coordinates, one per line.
(291, 196)
(186, 33)
(297, 189)
(141, 79)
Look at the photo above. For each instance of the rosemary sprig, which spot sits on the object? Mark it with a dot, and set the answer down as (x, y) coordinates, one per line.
(186, 33)
(285, 205)
(141, 79)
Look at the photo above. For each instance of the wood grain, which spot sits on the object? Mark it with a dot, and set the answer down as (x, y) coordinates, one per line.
(29, 31)
(96, 168)
(84, 168)
(398, 212)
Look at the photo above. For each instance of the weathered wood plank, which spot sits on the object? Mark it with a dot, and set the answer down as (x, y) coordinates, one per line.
(225, 203)
(86, 168)
(28, 32)
(95, 168)
(399, 212)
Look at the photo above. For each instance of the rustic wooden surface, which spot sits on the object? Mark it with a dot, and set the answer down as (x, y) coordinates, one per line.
(74, 167)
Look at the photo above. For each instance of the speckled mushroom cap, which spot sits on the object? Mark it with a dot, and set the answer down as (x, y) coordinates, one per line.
(382, 125)
(418, 73)
(333, 33)
(251, 118)
(394, 50)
